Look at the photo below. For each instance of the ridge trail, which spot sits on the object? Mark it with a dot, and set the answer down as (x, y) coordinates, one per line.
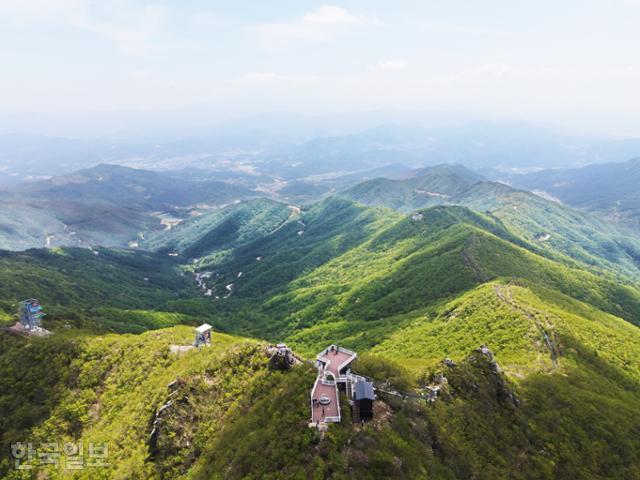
(509, 300)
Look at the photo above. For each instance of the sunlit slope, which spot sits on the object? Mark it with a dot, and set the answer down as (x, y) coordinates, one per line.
(325, 231)
(119, 290)
(108, 388)
(528, 332)
(555, 230)
(439, 253)
(216, 232)
(224, 414)
(558, 231)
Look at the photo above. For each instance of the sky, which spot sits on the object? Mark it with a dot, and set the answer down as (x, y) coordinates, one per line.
(570, 63)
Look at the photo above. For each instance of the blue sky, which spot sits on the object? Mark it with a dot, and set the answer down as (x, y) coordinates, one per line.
(566, 62)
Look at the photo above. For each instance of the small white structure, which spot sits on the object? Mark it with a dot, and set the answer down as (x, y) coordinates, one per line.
(203, 335)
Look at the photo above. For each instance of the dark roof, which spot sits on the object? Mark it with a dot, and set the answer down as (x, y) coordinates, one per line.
(364, 390)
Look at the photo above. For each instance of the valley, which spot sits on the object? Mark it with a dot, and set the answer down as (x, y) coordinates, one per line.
(302, 240)
(416, 290)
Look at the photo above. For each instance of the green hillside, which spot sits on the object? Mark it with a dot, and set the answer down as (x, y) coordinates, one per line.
(556, 397)
(396, 266)
(107, 205)
(227, 415)
(325, 231)
(427, 186)
(608, 189)
(549, 227)
(215, 233)
(119, 290)
(558, 231)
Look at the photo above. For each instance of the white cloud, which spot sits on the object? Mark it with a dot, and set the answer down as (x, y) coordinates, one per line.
(133, 29)
(206, 19)
(332, 15)
(139, 74)
(267, 78)
(321, 25)
(387, 65)
(456, 29)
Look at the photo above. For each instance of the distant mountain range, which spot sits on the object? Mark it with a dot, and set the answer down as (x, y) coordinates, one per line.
(549, 226)
(608, 189)
(105, 205)
(261, 148)
(502, 339)
(426, 186)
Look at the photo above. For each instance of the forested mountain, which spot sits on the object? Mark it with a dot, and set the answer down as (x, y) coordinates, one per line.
(105, 205)
(610, 190)
(223, 229)
(305, 240)
(405, 291)
(552, 392)
(549, 227)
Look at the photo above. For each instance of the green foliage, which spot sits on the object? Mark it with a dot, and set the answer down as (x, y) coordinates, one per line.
(407, 266)
(548, 227)
(222, 229)
(79, 278)
(108, 205)
(430, 186)
(85, 290)
(107, 389)
(330, 229)
(377, 367)
(406, 293)
(33, 379)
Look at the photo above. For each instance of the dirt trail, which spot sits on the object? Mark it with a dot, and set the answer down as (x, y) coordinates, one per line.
(504, 294)
(295, 213)
(470, 262)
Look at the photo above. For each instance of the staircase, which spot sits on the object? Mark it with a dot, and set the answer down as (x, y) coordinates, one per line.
(355, 412)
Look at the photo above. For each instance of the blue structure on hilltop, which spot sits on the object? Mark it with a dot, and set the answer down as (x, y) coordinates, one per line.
(30, 313)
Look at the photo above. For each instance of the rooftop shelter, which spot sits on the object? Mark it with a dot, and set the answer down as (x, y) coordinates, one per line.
(335, 361)
(334, 374)
(362, 402)
(325, 403)
(203, 335)
(30, 315)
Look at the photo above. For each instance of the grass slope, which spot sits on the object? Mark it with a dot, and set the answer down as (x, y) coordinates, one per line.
(407, 265)
(95, 289)
(229, 416)
(555, 230)
(607, 189)
(215, 233)
(405, 292)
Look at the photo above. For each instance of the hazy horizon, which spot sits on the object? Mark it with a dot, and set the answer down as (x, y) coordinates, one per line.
(119, 62)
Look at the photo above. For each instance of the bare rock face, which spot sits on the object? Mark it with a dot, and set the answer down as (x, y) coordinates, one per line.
(478, 378)
(436, 386)
(281, 360)
(163, 412)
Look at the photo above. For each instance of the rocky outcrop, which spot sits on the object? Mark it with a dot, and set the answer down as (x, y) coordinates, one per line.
(478, 377)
